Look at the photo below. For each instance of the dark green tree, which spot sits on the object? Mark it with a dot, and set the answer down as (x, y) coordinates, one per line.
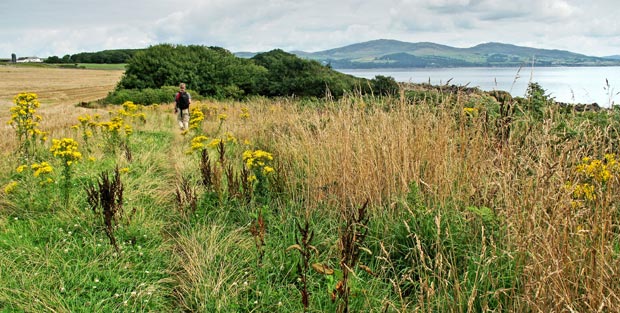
(211, 71)
(536, 100)
(384, 85)
(289, 75)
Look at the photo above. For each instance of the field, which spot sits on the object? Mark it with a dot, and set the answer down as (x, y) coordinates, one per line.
(56, 85)
(59, 91)
(431, 201)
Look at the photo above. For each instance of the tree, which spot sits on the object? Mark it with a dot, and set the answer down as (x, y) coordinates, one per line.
(53, 60)
(384, 85)
(289, 75)
(214, 71)
(210, 71)
(536, 100)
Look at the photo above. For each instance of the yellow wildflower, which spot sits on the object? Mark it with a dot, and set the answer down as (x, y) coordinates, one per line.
(41, 168)
(10, 187)
(268, 170)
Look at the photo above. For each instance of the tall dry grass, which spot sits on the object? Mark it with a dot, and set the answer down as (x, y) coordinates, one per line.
(345, 152)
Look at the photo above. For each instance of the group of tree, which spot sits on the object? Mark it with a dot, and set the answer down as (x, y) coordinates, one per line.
(216, 72)
(102, 57)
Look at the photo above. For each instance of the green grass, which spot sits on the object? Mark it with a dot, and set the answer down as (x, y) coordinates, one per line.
(93, 66)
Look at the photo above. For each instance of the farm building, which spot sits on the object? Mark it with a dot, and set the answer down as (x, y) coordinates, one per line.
(29, 60)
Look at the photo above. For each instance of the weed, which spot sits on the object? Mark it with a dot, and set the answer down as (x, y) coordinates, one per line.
(303, 244)
(352, 236)
(106, 199)
(186, 197)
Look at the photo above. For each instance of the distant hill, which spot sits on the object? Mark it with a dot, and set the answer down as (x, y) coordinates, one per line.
(385, 53)
(613, 57)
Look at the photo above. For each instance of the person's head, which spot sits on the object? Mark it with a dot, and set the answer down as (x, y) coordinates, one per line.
(182, 86)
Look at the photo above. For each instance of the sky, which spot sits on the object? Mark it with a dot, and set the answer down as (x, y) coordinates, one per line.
(45, 28)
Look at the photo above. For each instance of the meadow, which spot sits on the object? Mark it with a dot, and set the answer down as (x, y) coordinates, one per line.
(433, 202)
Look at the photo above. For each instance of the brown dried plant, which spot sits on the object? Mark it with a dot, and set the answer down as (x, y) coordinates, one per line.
(186, 197)
(106, 198)
(258, 230)
(352, 236)
(303, 244)
(206, 171)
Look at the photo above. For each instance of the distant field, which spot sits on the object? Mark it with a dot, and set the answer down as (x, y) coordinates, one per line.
(59, 89)
(119, 67)
(56, 85)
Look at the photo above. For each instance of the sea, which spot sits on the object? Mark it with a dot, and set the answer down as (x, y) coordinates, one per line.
(584, 85)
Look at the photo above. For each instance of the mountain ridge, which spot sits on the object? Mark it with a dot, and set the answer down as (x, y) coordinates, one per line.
(390, 53)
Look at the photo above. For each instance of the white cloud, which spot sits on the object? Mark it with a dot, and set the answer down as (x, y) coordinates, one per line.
(71, 26)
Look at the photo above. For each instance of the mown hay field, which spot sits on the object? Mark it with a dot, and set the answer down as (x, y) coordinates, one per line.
(59, 90)
(56, 85)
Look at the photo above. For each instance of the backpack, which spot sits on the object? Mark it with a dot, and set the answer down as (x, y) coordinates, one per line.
(182, 100)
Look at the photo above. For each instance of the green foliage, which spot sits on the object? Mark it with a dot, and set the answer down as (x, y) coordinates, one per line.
(429, 96)
(215, 72)
(289, 75)
(536, 100)
(118, 56)
(384, 85)
(210, 71)
(427, 243)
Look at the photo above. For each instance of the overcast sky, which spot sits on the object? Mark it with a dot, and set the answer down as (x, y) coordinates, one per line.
(44, 27)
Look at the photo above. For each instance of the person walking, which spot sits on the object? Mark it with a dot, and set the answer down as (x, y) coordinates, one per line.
(182, 101)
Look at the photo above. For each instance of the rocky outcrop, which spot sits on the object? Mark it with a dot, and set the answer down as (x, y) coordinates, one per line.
(581, 107)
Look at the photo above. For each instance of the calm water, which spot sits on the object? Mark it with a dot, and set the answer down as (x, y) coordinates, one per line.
(565, 84)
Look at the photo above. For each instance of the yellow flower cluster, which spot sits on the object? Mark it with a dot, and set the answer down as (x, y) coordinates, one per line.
(198, 143)
(202, 142)
(470, 111)
(113, 126)
(214, 143)
(128, 130)
(598, 170)
(590, 174)
(196, 118)
(584, 191)
(66, 149)
(88, 124)
(222, 117)
(245, 113)
(10, 187)
(41, 168)
(23, 117)
(132, 111)
(258, 160)
(88, 120)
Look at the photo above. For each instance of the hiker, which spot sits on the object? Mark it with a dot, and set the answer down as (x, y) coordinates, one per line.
(182, 101)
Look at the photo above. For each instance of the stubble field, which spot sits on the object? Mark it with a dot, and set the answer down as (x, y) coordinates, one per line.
(59, 91)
